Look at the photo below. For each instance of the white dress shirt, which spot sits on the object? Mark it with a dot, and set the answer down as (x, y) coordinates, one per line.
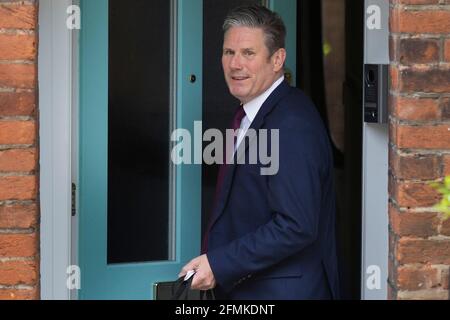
(251, 109)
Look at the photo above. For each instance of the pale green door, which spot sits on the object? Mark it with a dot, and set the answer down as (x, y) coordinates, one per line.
(140, 78)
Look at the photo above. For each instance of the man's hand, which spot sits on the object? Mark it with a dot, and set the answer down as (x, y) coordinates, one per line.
(203, 277)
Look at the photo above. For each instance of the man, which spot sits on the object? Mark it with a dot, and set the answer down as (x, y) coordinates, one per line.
(271, 236)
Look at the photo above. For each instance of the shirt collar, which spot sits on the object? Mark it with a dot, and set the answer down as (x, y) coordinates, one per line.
(252, 107)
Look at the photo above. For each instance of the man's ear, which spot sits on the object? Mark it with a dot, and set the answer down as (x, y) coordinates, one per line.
(278, 59)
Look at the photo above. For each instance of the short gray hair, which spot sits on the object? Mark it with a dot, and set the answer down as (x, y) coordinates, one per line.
(257, 16)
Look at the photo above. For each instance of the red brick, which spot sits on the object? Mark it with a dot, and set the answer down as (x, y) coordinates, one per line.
(446, 165)
(13, 294)
(19, 160)
(18, 75)
(423, 21)
(17, 47)
(424, 79)
(411, 250)
(445, 109)
(445, 228)
(392, 132)
(393, 48)
(394, 20)
(18, 273)
(392, 186)
(445, 279)
(447, 50)
(18, 245)
(413, 278)
(423, 224)
(18, 216)
(394, 74)
(17, 132)
(17, 104)
(419, 51)
(17, 188)
(427, 294)
(415, 109)
(423, 167)
(411, 194)
(17, 16)
(423, 137)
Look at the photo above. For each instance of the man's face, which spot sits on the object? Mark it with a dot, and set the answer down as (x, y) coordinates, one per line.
(248, 69)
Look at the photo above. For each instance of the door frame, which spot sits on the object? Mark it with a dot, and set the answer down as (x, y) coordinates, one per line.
(57, 99)
(375, 160)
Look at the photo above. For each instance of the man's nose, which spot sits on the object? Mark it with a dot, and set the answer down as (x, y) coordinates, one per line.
(235, 62)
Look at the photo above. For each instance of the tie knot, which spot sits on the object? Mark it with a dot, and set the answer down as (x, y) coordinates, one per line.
(239, 114)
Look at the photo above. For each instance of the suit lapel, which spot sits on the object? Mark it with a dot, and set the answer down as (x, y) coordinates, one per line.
(265, 109)
(257, 123)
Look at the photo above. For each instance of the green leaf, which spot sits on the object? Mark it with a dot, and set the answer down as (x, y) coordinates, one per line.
(444, 204)
(447, 182)
(435, 185)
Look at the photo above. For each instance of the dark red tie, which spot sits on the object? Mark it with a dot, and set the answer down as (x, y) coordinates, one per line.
(236, 124)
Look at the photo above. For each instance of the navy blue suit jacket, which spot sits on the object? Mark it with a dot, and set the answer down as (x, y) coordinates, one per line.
(273, 236)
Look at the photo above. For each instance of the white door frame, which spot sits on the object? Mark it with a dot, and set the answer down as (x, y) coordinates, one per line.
(55, 79)
(375, 172)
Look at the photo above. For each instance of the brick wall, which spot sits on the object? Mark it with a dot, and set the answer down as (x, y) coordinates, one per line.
(419, 258)
(19, 243)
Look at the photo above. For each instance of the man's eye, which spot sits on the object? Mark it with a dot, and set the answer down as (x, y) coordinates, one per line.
(249, 53)
(228, 52)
